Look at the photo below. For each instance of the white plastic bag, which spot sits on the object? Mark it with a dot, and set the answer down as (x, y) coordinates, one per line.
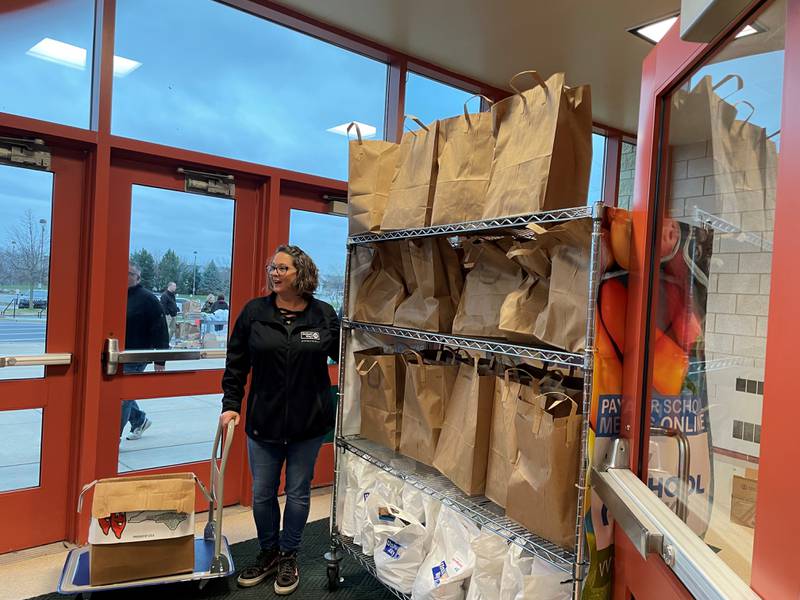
(368, 476)
(399, 544)
(423, 507)
(352, 469)
(413, 501)
(387, 490)
(545, 583)
(490, 553)
(450, 562)
(515, 568)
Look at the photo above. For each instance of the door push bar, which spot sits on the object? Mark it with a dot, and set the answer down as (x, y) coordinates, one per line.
(655, 529)
(114, 356)
(35, 360)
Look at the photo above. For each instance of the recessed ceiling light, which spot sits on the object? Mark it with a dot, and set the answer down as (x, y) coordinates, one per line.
(654, 31)
(367, 131)
(751, 29)
(74, 57)
(59, 52)
(125, 66)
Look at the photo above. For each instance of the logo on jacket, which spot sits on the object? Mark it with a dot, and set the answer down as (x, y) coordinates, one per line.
(309, 336)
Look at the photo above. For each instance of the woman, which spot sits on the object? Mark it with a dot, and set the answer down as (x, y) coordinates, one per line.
(285, 339)
(210, 299)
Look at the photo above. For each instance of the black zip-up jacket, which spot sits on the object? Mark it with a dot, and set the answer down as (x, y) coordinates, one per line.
(169, 304)
(145, 326)
(290, 398)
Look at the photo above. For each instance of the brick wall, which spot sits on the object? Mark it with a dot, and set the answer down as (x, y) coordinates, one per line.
(626, 173)
(739, 283)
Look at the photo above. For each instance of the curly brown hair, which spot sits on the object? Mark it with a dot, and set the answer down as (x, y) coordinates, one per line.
(307, 278)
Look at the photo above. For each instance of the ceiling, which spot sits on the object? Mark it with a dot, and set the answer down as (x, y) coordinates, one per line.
(491, 41)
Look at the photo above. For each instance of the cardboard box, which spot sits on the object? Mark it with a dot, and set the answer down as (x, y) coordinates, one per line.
(743, 501)
(211, 340)
(191, 306)
(141, 527)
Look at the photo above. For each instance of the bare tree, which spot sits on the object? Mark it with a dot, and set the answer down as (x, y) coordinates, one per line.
(30, 244)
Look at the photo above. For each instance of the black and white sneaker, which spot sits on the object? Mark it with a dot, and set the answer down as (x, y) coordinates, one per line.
(288, 574)
(137, 433)
(265, 566)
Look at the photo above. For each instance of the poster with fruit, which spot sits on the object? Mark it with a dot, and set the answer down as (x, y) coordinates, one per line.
(679, 398)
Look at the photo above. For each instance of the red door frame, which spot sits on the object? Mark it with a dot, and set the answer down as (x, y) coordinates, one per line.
(42, 514)
(774, 573)
(124, 174)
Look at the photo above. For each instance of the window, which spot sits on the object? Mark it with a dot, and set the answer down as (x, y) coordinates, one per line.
(713, 287)
(182, 431)
(186, 240)
(21, 450)
(429, 99)
(328, 251)
(596, 176)
(45, 60)
(221, 81)
(27, 204)
(626, 173)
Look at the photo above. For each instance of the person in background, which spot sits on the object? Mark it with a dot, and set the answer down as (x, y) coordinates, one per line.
(220, 304)
(170, 307)
(210, 299)
(145, 329)
(282, 341)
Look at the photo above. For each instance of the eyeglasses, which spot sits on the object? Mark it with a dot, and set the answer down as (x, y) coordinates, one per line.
(281, 269)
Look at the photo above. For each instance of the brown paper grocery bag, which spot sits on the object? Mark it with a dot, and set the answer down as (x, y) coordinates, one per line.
(383, 289)
(371, 168)
(437, 280)
(513, 385)
(562, 322)
(414, 182)
(463, 448)
(428, 387)
(543, 148)
(466, 147)
(491, 279)
(382, 379)
(541, 491)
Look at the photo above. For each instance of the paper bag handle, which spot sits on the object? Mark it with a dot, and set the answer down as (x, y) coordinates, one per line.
(466, 112)
(417, 121)
(752, 110)
(365, 373)
(358, 131)
(360, 367)
(537, 417)
(537, 78)
(726, 79)
(509, 370)
(772, 135)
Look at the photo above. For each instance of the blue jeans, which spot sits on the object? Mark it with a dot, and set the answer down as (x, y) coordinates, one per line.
(130, 408)
(266, 462)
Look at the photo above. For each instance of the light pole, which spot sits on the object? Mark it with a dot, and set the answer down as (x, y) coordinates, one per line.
(194, 274)
(42, 222)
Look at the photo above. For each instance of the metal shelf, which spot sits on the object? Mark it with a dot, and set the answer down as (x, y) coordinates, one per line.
(479, 509)
(548, 216)
(557, 357)
(717, 364)
(367, 562)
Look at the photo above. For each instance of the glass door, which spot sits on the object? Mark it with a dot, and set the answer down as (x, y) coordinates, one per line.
(180, 268)
(40, 292)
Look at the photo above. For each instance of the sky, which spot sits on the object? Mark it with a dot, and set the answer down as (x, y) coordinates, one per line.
(225, 82)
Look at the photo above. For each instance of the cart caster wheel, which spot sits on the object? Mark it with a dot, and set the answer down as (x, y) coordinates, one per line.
(333, 578)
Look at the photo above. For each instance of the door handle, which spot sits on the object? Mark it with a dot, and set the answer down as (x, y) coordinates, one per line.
(115, 357)
(34, 360)
(653, 528)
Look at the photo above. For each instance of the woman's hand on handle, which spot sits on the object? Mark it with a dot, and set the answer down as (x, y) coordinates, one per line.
(227, 417)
